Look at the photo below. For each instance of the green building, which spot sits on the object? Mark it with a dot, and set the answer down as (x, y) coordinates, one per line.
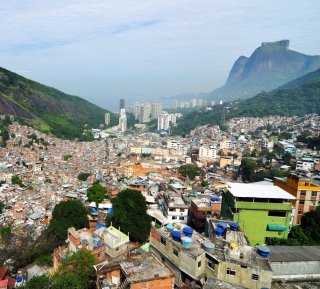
(262, 211)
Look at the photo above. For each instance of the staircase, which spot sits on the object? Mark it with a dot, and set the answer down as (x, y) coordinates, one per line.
(124, 284)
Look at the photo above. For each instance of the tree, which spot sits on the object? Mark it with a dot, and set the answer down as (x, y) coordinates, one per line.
(248, 170)
(42, 281)
(1, 206)
(287, 158)
(204, 184)
(310, 224)
(83, 176)
(76, 272)
(191, 171)
(68, 214)
(96, 193)
(66, 157)
(130, 214)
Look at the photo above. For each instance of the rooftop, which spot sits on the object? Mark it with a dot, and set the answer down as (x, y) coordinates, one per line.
(258, 191)
(294, 253)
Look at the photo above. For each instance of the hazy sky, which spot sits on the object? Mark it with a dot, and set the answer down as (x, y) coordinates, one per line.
(104, 50)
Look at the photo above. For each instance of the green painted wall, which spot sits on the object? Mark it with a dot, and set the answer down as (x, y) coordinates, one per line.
(253, 218)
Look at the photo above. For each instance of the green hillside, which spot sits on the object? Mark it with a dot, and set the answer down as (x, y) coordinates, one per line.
(297, 101)
(47, 108)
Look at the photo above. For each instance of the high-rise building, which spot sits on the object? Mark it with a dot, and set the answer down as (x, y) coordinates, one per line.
(163, 122)
(156, 109)
(213, 103)
(123, 120)
(144, 112)
(175, 104)
(107, 118)
(122, 103)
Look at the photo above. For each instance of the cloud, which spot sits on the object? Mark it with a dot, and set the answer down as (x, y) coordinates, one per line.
(137, 25)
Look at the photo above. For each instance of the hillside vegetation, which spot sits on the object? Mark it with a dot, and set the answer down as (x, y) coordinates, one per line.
(297, 101)
(47, 108)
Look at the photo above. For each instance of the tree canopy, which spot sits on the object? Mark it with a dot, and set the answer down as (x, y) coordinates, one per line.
(68, 214)
(248, 170)
(1, 206)
(130, 214)
(96, 193)
(191, 171)
(83, 176)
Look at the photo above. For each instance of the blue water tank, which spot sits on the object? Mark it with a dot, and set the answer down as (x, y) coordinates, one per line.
(19, 279)
(222, 225)
(195, 194)
(96, 239)
(219, 231)
(100, 244)
(234, 226)
(186, 241)
(95, 247)
(64, 257)
(187, 231)
(263, 251)
(176, 236)
(170, 227)
(84, 241)
(213, 199)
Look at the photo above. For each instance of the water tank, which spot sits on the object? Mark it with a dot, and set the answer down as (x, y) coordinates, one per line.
(213, 199)
(84, 241)
(187, 231)
(186, 241)
(234, 226)
(208, 247)
(96, 240)
(222, 225)
(219, 231)
(176, 236)
(95, 247)
(105, 284)
(195, 194)
(19, 279)
(170, 227)
(263, 251)
(64, 257)
(100, 244)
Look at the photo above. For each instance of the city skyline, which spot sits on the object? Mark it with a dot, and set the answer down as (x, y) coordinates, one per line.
(149, 51)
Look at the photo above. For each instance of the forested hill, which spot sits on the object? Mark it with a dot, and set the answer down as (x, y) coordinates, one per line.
(297, 101)
(47, 108)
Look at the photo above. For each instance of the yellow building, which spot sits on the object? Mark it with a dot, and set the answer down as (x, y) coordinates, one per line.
(128, 171)
(136, 150)
(225, 160)
(306, 191)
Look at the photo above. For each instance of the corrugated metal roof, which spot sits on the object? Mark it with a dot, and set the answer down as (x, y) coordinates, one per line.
(294, 253)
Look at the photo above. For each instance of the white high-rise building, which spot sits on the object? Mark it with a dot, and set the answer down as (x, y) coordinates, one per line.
(182, 105)
(107, 118)
(213, 103)
(175, 104)
(164, 121)
(144, 112)
(156, 109)
(123, 120)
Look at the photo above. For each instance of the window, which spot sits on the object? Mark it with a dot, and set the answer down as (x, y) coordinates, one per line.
(210, 264)
(163, 241)
(301, 202)
(175, 252)
(117, 249)
(171, 210)
(203, 213)
(199, 264)
(255, 277)
(303, 193)
(312, 203)
(300, 212)
(181, 218)
(231, 271)
(277, 214)
(174, 217)
(314, 193)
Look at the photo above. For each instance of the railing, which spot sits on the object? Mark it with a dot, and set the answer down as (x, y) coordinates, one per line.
(123, 284)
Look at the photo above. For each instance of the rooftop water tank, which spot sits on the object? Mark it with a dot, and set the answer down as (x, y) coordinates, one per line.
(186, 241)
(213, 199)
(96, 239)
(219, 231)
(84, 241)
(95, 247)
(64, 257)
(19, 279)
(100, 244)
(234, 226)
(195, 194)
(170, 227)
(105, 284)
(176, 236)
(187, 231)
(208, 247)
(263, 251)
(222, 225)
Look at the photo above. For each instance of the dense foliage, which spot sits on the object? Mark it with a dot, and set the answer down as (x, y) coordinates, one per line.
(83, 176)
(49, 109)
(68, 214)
(130, 214)
(96, 193)
(1, 206)
(191, 171)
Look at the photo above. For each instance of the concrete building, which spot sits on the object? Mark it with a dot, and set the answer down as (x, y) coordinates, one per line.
(175, 208)
(144, 113)
(156, 109)
(107, 118)
(207, 152)
(163, 122)
(306, 193)
(175, 104)
(123, 120)
(262, 211)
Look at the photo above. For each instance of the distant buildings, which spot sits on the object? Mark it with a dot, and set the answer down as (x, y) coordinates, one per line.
(164, 122)
(107, 118)
(122, 103)
(175, 104)
(123, 120)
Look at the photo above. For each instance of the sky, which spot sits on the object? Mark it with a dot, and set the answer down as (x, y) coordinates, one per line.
(103, 50)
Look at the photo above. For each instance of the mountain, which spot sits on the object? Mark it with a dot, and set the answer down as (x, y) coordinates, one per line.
(271, 65)
(46, 108)
(300, 99)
